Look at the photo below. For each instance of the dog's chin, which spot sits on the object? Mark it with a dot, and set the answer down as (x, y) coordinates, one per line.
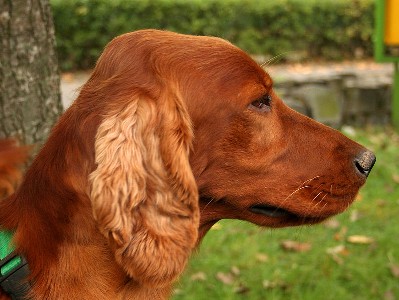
(264, 215)
(271, 216)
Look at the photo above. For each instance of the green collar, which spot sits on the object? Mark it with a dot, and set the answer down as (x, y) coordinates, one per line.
(6, 248)
(14, 270)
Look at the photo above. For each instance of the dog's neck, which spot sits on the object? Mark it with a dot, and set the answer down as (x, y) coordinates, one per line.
(211, 211)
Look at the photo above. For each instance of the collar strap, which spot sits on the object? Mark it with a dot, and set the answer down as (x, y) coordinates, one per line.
(13, 269)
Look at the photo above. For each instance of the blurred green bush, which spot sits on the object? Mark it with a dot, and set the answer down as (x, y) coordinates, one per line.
(298, 29)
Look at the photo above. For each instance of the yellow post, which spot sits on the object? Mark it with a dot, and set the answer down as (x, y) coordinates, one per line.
(391, 36)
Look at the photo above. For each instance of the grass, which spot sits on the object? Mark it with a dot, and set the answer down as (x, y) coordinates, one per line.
(238, 260)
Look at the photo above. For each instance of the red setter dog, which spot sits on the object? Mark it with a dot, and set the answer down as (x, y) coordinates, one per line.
(169, 135)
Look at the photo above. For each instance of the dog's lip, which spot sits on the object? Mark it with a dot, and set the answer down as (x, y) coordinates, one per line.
(270, 211)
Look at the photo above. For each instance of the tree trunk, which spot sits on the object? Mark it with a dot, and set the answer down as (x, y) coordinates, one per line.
(30, 100)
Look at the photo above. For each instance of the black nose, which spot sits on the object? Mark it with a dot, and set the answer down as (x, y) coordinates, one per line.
(365, 162)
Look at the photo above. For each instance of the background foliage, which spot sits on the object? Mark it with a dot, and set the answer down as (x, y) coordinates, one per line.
(298, 29)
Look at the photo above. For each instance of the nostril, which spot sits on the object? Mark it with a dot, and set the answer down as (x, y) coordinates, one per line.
(365, 162)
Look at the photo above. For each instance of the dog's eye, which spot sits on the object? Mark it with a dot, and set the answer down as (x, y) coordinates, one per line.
(261, 104)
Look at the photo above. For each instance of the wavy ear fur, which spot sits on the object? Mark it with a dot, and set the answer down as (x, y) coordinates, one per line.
(143, 192)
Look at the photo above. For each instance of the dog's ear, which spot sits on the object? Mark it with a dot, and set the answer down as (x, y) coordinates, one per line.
(143, 192)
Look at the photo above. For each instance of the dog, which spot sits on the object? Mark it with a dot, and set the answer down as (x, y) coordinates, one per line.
(170, 134)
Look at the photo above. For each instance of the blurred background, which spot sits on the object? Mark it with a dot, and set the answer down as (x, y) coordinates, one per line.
(321, 56)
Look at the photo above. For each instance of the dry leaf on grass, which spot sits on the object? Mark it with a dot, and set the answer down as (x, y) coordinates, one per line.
(267, 284)
(295, 246)
(340, 249)
(360, 239)
(340, 235)
(381, 203)
(354, 216)
(389, 295)
(261, 257)
(199, 276)
(225, 278)
(395, 178)
(241, 289)
(331, 223)
(394, 270)
(235, 271)
(230, 277)
(177, 291)
(337, 253)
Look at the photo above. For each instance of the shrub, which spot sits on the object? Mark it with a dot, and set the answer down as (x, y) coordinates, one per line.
(328, 29)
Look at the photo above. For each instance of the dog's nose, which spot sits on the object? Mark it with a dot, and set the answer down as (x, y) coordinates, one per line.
(364, 162)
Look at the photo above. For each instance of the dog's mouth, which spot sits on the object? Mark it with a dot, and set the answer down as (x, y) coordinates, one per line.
(283, 217)
(270, 211)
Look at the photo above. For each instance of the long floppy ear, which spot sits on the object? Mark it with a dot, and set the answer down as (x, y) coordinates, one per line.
(143, 193)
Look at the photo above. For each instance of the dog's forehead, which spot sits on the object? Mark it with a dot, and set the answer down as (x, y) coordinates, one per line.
(199, 65)
(220, 64)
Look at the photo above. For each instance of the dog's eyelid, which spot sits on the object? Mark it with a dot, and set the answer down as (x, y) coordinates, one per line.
(261, 104)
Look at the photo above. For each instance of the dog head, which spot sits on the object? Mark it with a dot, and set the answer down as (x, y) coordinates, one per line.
(187, 118)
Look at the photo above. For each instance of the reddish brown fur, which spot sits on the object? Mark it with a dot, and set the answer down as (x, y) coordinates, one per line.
(109, 208)
(12, 157)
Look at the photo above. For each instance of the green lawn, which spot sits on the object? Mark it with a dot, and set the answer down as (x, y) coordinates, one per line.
(238, 260)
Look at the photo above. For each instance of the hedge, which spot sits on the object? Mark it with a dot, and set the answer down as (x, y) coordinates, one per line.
(301, 29)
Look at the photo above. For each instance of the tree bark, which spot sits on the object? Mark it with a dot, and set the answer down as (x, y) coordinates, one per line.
(30, 100)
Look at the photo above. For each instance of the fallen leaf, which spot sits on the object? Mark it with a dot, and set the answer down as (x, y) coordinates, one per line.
(295, 246)
(262, 257)
(339, 260)
(267, 284)
(177, 291)
(235, 271)
(332, 223)
(381, 203)
(340, 235)
(337, 252)
(360, 239)
(395, 178)
(340, 249)
(199, 276)
(241, 289)
(354, 216)
(226, 278)
(394, 270)
(389, 295)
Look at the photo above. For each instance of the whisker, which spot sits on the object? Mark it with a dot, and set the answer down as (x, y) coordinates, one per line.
(325, 204)
(210, 201)
(317, 195)
(310, 179)
(301, 186)
(290, 195)
(316, 189)
(318, 202)
(297, 190)
(324, 197)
